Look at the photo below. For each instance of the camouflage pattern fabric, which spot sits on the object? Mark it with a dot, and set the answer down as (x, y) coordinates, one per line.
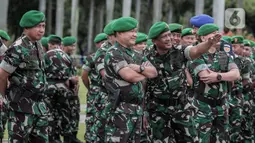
(58, 69)
(124, 123)
(253, 92)
(170, 113)
(24, 61)
(91, 134)
(236, 104)
(247, 129)
(101, 101)
(211, 101)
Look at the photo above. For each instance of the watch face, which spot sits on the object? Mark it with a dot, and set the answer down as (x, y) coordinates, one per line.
(219, 77)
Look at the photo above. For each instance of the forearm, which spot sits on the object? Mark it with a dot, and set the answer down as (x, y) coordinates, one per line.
(232, 75)
(198, 50)
(150, 72)
(86, 83)
(137, 77)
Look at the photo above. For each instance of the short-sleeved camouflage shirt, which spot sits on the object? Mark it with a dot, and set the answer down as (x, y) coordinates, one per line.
(24, 62)
(210, 61)
(118, 57)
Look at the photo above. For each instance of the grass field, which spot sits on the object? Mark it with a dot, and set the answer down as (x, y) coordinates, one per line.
(83, 99)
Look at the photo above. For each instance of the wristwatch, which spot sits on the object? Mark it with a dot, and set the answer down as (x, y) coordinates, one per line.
(142, 68)
(219, 77)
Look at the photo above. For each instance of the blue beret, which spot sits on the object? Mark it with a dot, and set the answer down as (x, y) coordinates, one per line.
(200, 20)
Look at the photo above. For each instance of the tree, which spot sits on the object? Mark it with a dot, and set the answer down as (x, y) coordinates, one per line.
(74, 18)
(157, 13)
(126, 7)
(3, 14)
(60, 18)
(109, 10)
(91, 21)
(138, 10)
(218, 13)
(199, 7)
(42, 5)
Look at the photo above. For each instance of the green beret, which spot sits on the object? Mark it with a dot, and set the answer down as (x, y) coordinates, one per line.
(252, 43)
(175, 27)
(157, 28)
(237, 40)
(149, 42)
(187, 31)
(4, 35)
(141, 37)
(31, 18)
(207, 29)
(54, 37)
(69, 40)
(124, 24)
(100, 37)
(108, 28)
(226, 38)
(247, 42)
(44, 41)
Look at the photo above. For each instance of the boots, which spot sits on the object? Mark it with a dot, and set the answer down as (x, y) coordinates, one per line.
(74, 139)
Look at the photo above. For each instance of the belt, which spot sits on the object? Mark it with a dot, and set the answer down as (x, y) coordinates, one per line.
(167, 102)
(211, 102)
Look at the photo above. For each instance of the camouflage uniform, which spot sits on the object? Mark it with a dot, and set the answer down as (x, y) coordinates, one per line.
(27, 108)
(253, 92)
(126, 115)
(211, 100)
(247, 129)
(58, 70)
(170, 113)
(101, 101)
(93, 93)
(236, 104)
(4, 110)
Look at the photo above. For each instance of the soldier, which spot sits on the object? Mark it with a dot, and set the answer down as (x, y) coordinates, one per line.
(4, 111)
(102, 102)
(44, 42)
(93, 85)
(123, 81)
(69, 44)
(54, 68)
(23, 64)
(187, 37)
(166, 93)
(176, 30)
(212, 72)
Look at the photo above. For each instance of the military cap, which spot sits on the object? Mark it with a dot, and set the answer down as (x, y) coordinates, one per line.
(175, 27)
(207, 29)
(51, 37)
(200, 20)
(100, 37)
(252, 43)
(44, 41)
(69, 40)
(226, 38)
(108, 28)
(237, 39)
(141, 37)
(124, 24)
(4, 35)
(157, 28)
(149, 42)
(187, 31)
(247, 42)
(31, 19)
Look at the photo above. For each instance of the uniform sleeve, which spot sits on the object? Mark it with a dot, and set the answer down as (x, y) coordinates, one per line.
(198, 65)
(99, 60)
(115, 60)
(246, 70)
(87, 65)
(187, 52)
(12, 58)
(231, 64)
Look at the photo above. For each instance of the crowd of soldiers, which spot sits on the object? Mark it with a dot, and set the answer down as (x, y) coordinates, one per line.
(172, 85)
